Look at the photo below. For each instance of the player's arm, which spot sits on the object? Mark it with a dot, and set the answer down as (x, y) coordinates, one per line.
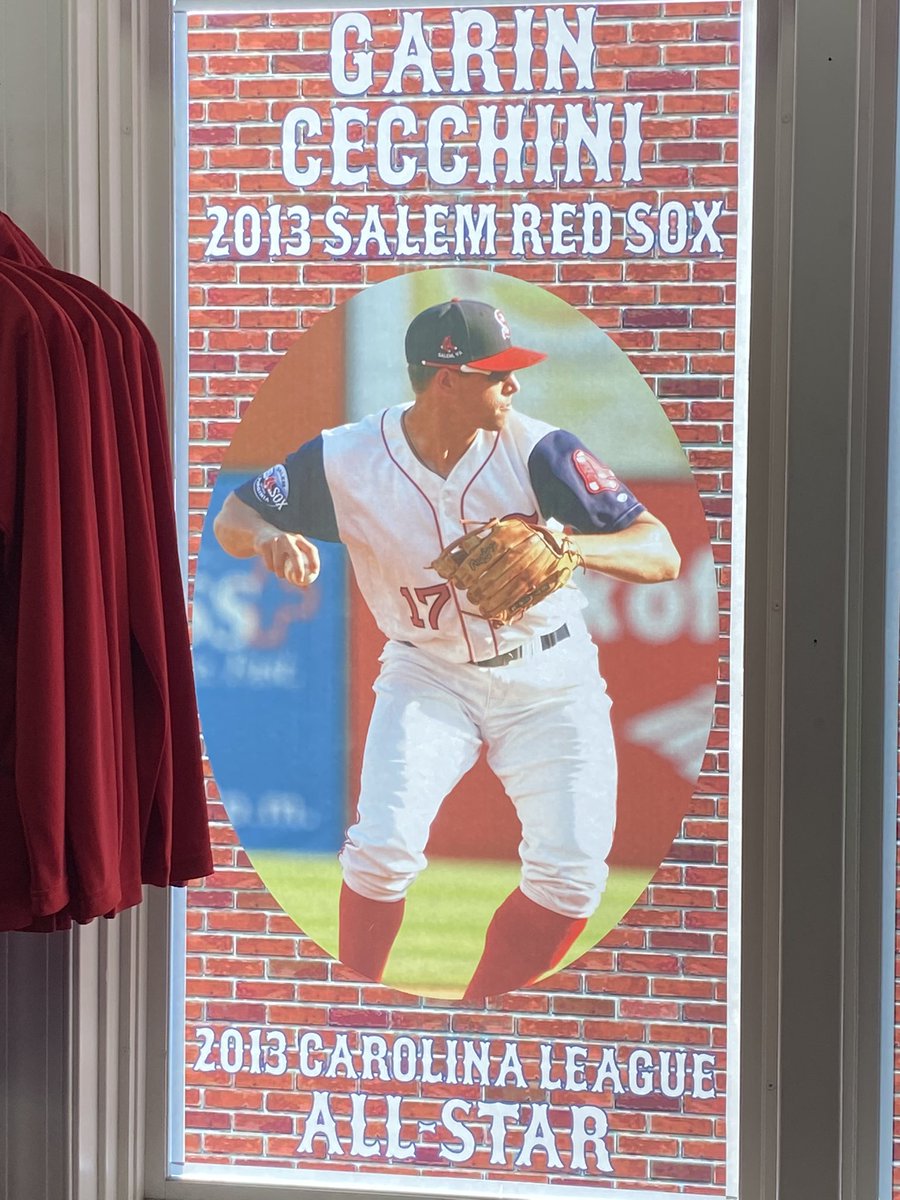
(242, 532)
(612, 529)
(265, 516)
(643, 552)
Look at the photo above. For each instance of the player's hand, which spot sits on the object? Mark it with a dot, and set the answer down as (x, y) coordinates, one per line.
(289, 556)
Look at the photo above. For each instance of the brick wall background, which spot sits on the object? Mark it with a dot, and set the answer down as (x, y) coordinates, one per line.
(657, 981)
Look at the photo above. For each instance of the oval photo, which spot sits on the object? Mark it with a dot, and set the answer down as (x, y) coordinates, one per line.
(452, 790)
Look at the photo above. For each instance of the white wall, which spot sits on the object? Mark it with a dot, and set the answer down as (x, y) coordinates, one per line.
(34, 969)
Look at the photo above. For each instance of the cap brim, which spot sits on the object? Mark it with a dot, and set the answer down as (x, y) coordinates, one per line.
(513, 358)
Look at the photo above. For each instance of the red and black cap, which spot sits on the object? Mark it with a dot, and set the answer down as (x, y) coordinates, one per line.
(467, 334)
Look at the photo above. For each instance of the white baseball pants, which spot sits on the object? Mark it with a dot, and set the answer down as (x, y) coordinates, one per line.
(545, 722)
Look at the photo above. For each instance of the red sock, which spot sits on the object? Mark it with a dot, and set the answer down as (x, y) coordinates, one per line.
(367, 932)
(524, 940)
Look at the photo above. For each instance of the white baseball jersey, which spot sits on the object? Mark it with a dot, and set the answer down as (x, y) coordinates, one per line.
(362, 484)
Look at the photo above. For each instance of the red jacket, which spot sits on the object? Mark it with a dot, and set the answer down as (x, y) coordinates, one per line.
(101, 779)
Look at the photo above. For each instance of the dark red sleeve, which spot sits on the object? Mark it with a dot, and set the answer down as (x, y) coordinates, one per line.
(183, 832)
(175, 841)
(87, 470)
(32, 643)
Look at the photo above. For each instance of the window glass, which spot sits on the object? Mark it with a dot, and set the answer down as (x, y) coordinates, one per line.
(547, 1000)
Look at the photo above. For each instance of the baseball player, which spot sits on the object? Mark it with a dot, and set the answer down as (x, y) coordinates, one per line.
(443, 504)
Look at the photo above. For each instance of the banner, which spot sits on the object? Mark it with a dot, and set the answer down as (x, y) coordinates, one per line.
(451, 268)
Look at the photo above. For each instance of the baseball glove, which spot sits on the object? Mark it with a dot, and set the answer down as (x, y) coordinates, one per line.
(506, 566)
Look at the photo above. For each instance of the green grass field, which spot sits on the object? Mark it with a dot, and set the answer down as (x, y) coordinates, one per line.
(447, 913)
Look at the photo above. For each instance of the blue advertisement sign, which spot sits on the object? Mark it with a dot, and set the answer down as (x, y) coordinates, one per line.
(259, 653)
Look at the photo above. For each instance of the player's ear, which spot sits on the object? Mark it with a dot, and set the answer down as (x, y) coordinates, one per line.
(452, 380)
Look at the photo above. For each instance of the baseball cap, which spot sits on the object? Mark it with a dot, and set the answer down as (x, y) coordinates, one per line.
(467, 334)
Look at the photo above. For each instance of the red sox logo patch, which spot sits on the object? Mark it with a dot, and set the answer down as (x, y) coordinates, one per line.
(595, 476)
(448, 348)
(272, 487)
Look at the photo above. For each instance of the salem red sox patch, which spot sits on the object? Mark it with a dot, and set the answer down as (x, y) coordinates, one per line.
(596, 476)
(272, 487)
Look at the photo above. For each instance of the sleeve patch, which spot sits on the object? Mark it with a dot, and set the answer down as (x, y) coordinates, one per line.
(272, 487)
(594, 475)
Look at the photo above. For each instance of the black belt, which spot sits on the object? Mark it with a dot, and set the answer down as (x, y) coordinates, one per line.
(547, 641)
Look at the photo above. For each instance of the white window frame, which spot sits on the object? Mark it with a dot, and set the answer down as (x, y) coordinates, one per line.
(818, 829)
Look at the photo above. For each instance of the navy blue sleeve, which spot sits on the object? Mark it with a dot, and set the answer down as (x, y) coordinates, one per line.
(294, 496)
(577, 489)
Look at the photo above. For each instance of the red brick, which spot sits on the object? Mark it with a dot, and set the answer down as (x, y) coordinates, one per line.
(244, 157)
(629, 56)
(715, 177)
(651, 964)
(234, 1012)
(206, 1120)
(304, 64)
(297, 1014)
(205, 88)
(699, 965)
(624, 938)
(243, 385)
(710, 1014)
(236, 111)
(213, 181)
(198, 943)
(691, 898)
(235, 1098)
(696, 8)
(252, 1122)
(489, 1023)
(719, 31)
(547, 1028)
(717, 127)
(676, 939)
(231, 1144)
(682, 1126)
(656, 318)
(690, 294)
(198, 42)
(693, 54)
(615, 1031)
(234, 20)
(368, 1018)
(724, 80)
(654, 1102)
(707, 271)
(658, 81)
(624, 293)
(283, 318)
(717, 317)
(662, 31)
(270, 39)
(683, 1171)
(655, 1147)
(267, 990)
(203, 363)
(591, 1006)
(300, 969)
(258, 364)
(270, 89)
(695, 988)
(628, 1168)
(680, 1035)
(694, 103)
(649, 364)
(658, 1010)
(237, 64)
